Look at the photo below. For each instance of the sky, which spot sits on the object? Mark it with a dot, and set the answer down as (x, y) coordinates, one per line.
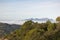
(24, 9)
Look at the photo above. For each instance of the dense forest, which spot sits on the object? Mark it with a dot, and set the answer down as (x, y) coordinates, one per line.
(7, 28)
(36, 31)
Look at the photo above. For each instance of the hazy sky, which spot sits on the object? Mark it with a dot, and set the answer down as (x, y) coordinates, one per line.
(22, 9)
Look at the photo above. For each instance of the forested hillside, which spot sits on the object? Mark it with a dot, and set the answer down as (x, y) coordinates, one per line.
(36, 31)
(7, 28)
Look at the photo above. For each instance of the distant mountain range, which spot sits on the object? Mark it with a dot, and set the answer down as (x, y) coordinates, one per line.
(41, 19)
(7, 28)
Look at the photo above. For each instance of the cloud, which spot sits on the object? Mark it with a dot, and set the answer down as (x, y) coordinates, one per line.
(26, 9)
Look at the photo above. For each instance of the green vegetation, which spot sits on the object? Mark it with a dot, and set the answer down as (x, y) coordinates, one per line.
(58, 18)
(36, 31)
(5, 28)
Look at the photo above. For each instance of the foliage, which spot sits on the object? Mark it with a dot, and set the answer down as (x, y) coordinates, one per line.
(58, 18)
(50, 26)
(36, 31)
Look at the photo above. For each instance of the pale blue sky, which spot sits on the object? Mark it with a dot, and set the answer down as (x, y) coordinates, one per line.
(22, 9)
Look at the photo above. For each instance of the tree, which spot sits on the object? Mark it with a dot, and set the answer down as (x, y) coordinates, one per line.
(58, 18)
(36, 31)
(50, 25)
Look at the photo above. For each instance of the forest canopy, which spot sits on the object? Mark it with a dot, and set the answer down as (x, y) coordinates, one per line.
(36, 31)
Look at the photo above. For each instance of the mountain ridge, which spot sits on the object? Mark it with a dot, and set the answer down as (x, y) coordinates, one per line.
(39, 19)
(22, 21)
